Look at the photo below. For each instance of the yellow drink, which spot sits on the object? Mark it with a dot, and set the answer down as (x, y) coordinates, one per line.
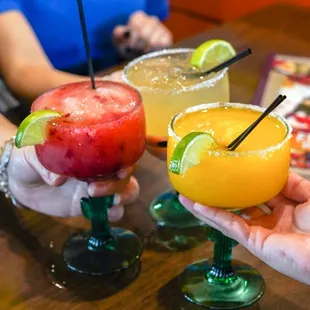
(165, 90)
(252, 174)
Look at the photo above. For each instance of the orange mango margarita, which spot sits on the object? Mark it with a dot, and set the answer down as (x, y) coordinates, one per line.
(252, 174)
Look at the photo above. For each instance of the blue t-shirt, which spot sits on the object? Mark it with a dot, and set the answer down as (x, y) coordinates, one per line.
(57, 26)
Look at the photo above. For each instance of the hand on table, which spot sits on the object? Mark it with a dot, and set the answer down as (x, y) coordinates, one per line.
(115, 76)
(142, 34)
(281, 239)
(153, 148)
(43, 191)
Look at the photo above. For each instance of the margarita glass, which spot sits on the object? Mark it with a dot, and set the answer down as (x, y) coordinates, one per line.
(160, 78)
(98, 133)
(248, 176)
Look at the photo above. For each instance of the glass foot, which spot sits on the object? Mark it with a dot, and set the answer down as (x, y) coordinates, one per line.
(101, 286)
(246, 288)
(118, 254)
(166, 210)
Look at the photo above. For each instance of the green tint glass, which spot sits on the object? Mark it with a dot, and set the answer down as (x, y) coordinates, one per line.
(102, 250)
(166, 210)
(221, 283)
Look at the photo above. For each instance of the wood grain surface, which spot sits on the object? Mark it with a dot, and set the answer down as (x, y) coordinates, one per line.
(31, 272)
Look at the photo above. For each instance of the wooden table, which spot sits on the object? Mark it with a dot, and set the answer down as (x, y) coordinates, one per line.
(31, 243)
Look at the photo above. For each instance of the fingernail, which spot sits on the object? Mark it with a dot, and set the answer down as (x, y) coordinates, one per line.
(91, 189)
(162, 144)
(245, 216)
(52, 176)
(265, 209)
(127, 34)
(122, 174)
(117, 199)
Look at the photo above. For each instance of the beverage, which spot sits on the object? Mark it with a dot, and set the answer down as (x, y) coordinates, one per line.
(210, 174)
(251, 175)
(161, 77)
(100, 131)
(90, 133)
(165, 89)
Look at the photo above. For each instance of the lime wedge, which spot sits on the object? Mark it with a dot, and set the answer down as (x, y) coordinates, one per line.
(188, 151)
(32, 129)
(212, 52)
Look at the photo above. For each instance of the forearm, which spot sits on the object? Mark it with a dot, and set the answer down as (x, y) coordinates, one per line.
(30, 82)
(7, 130)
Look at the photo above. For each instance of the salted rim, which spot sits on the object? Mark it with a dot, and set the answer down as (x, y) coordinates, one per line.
(209, 83)
(136, 96)
(272, 148)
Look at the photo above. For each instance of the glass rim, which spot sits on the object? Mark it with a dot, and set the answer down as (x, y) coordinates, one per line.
(208, 83)
(272, 148)
(137, 95)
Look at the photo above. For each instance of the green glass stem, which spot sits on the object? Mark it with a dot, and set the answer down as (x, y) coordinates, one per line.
(220, 282)
(95, 209)
(221, 270)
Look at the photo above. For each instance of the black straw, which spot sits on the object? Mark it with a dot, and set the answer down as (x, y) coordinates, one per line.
(233, 145)
(86, 44)
(219, 67)
(228, 62)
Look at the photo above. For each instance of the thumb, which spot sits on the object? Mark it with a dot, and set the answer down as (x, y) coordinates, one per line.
(121, 33)
(47, 176)
(302, 217)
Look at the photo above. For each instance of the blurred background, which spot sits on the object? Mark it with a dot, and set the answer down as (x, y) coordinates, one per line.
(189, 17)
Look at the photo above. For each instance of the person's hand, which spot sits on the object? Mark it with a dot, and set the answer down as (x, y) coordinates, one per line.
(281, 238)
(152, 146)
(43, 191)
(116, 76)
(142, 34)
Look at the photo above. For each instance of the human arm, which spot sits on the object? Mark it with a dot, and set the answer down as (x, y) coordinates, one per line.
(24, 66)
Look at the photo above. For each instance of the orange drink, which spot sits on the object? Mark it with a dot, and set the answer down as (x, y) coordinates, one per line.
(252, 174)
(204, 170)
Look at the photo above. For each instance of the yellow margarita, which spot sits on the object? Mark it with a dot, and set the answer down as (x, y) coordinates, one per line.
(166, 90)
(252, 174)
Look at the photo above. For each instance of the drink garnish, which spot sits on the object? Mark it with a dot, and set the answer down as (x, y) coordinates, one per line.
(32, 130)
(187, 152)
(212, 52)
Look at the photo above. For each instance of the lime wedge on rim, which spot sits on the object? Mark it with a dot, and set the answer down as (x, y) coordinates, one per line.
(212, 52)
(32, 129)
(187, 152)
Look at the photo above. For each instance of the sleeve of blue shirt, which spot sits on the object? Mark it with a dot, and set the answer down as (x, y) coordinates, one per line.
(8, 5)
(159, 8)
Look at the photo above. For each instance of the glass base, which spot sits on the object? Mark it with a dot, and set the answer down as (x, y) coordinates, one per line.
(78, 284)
(246, 289)
(166, 210)
(118, 254)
